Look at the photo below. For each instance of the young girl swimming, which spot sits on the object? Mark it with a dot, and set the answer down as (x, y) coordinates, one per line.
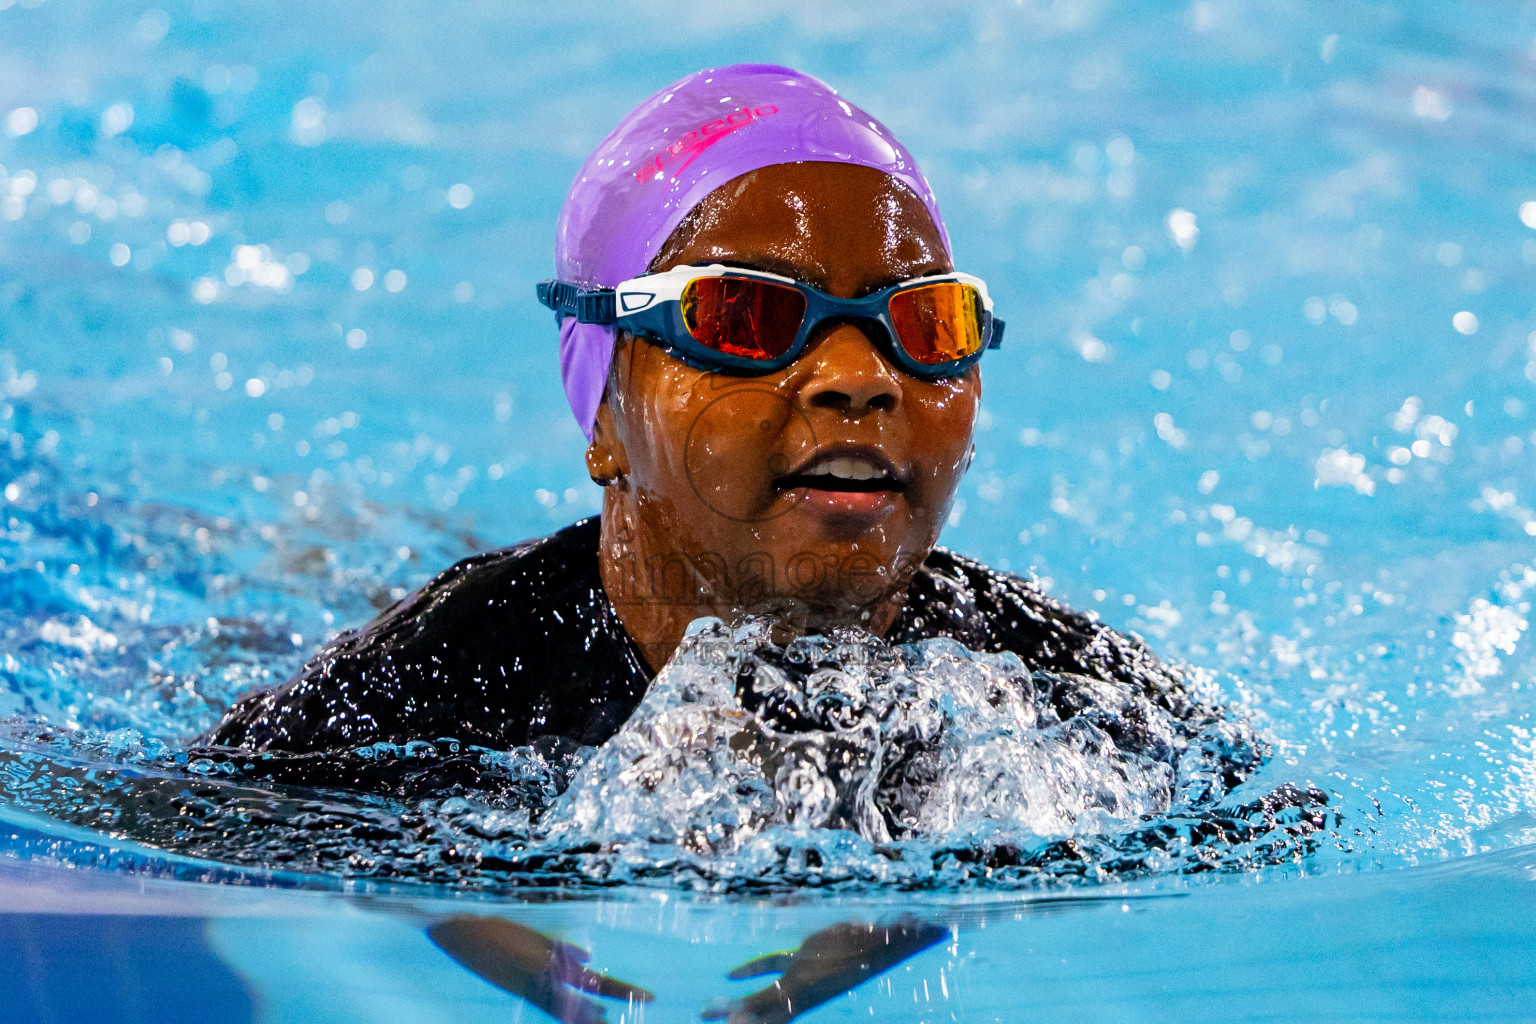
(767, 344)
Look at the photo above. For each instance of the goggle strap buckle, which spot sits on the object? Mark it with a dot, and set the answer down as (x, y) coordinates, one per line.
(587, 305)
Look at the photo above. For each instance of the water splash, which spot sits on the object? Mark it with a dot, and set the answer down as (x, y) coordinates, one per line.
(739, 735)
(753, 763)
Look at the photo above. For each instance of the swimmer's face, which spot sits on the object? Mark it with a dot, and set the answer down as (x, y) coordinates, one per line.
(718, 469)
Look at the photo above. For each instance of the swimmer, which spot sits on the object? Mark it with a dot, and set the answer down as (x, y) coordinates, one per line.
(767, 343)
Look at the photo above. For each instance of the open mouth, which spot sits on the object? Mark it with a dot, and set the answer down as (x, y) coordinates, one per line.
(861, 472)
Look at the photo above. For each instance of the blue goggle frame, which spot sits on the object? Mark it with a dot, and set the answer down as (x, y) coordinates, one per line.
(650, 306)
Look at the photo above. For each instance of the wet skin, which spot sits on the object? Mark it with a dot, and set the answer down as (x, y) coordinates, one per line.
(706, 508)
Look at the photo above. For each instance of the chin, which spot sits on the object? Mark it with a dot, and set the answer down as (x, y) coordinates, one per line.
(837, 575)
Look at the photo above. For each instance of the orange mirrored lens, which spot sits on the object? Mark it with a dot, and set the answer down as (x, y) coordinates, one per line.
(741, 316)
(938, 323)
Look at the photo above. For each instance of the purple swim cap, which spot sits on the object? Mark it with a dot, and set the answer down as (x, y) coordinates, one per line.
(672, 151)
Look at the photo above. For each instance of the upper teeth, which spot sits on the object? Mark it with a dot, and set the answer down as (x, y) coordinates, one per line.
(847, 469)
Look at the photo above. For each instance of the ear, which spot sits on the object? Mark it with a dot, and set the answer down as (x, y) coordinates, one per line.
(607, 462)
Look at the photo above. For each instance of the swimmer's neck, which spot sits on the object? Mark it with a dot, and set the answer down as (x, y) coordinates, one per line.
(658, 581)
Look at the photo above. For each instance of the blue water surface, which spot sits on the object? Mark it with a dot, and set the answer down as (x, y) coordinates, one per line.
(269, 358)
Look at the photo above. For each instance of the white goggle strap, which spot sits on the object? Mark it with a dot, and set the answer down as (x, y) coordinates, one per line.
(642, 293)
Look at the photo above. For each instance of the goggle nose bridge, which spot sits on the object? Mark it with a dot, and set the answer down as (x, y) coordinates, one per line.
(876, 330)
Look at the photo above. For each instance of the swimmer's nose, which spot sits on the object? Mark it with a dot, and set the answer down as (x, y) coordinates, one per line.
(846, 373)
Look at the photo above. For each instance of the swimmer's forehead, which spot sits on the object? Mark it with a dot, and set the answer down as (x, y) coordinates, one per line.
(808, 221)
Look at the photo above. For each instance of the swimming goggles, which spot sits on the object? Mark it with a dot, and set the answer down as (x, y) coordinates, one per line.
(750, 322)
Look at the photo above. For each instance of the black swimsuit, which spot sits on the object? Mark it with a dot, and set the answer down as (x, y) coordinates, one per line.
(522, 646)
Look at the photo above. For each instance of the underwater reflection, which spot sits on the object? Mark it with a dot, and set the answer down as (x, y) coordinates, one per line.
(831, 962)
(552, 974)
(546, 972)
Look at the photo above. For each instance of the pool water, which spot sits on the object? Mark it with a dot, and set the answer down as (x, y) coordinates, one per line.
(270, 358)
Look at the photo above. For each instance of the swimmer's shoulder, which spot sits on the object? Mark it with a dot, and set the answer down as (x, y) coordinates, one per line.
(993, 609)
(527, 577)
(481, 653)
(481, 597)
